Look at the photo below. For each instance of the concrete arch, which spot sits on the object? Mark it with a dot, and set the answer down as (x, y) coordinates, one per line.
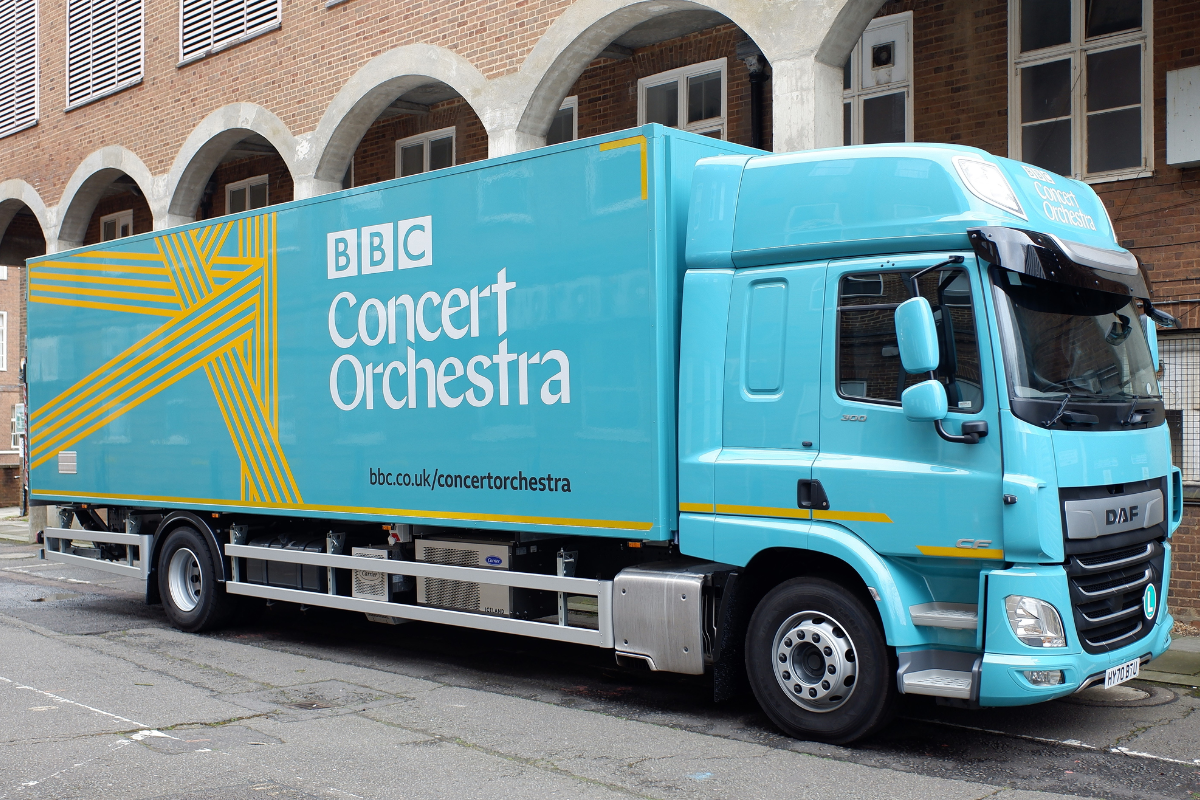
(805, 41)
(207, 145)
(87, 185)
(15, 193)
(369, 91)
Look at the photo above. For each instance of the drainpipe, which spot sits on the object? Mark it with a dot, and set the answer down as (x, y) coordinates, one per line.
(750, 54)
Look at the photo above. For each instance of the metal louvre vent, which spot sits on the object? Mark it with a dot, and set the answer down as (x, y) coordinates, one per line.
(370, 585)
(452, 594)
(209, 25)
(453, 556)
(1107, 592)
(447, 593)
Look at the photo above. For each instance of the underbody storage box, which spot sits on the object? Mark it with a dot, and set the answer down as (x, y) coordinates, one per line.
(489, 346)
(287, 576)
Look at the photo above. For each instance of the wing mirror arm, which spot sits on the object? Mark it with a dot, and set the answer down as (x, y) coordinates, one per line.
(972, 432)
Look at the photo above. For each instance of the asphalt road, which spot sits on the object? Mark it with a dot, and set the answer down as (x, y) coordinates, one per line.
(100, 698)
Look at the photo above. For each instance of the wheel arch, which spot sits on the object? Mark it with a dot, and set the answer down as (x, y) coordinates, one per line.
(170, 522)
(836, 554)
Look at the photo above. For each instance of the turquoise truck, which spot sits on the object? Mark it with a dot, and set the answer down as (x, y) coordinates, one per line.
(840, 425)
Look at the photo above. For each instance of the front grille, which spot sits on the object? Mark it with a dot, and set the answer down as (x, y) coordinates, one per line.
(1107, 590)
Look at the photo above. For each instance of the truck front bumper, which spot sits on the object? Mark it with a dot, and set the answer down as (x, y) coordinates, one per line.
(1002, 679)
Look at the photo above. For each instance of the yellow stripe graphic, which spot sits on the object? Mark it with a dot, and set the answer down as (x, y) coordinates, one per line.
(961, 552)
(220, 317)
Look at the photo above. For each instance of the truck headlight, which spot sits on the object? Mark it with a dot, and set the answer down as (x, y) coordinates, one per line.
(1035, 622)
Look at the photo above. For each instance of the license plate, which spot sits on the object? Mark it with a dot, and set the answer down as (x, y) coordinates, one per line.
(1121, 673)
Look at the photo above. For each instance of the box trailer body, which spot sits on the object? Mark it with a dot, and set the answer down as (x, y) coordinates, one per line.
(851, 423)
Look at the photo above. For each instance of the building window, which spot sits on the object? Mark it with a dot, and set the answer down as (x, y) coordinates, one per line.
(1080, 74)
(3, 341)
(116, 226)
(104, 48)
(877, 98)
(691, 98)
(869, 367)
(425, 152)
(18, 65)
(246, 195)
(206, 26)
(565, 127)
(17, 425)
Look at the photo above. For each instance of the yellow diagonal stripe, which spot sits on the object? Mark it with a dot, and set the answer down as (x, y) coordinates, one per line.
(220, 311)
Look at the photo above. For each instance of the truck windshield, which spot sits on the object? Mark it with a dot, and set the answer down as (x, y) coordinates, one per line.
(1069, 345)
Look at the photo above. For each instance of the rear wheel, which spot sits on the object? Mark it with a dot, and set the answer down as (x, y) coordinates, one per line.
(187, 582)
(818, 663)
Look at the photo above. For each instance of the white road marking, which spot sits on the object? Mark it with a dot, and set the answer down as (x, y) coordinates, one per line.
(1124, 751)
(58, 699)
(137, 737)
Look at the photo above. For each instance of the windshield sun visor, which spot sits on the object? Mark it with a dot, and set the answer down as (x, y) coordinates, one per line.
(1046, 256)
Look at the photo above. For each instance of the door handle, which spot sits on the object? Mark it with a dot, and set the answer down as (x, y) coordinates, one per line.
(811, 495)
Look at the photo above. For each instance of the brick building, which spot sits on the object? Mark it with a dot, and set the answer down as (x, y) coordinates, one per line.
(132, 116)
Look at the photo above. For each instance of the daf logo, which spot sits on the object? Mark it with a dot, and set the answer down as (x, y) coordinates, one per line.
(1150, 601)
(1117, 516)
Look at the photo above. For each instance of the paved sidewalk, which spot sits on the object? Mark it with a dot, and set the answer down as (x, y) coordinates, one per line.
(1179, 666)
(13, 527)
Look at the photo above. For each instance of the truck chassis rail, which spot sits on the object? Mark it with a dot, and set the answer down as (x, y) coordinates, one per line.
(601, 590)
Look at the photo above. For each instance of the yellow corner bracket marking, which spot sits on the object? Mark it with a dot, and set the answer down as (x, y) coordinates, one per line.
(961, 552)
(632, 140)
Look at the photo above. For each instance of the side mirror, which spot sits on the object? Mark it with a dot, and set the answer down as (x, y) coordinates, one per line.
(925, 401)
(916, 335)
(1151, 329)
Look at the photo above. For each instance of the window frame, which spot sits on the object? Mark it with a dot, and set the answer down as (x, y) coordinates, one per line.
(855, 95)
(424, 139)
(3, 341)
(246, 183)
(92, 97)
(572, 103)
(15, 435)
(1076, 52)
(274, 25)
(680, 76)
(837, 338)
(37, 74)
(116, 217)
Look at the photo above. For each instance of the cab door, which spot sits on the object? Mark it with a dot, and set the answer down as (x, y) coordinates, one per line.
(896, 483)
(771, 427)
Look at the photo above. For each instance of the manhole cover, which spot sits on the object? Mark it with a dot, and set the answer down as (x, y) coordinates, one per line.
(1124, 696)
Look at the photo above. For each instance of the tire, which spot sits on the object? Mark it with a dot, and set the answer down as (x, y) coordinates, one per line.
(818, 663)
(187, 583)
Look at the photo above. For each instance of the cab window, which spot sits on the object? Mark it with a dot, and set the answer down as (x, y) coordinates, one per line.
(868, 360)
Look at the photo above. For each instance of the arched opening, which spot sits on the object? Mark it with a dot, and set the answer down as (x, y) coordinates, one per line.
(21, 235)
(674, 62)
(249, 174)
(239, 158)
(427, 127)
(21, 238)
(692, 69)
(121, 210)
(106, 198)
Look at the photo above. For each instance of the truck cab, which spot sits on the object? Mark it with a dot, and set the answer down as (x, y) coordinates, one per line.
(921, 380)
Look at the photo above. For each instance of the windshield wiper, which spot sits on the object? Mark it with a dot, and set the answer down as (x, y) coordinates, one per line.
(1062, 408)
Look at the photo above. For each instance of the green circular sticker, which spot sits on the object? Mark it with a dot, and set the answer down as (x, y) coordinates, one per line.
(1149, 601)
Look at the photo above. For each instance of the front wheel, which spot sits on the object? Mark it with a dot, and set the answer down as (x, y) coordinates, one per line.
(187, 582)
(818, 663)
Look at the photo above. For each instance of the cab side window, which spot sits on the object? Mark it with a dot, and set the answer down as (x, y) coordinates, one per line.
(868, 359)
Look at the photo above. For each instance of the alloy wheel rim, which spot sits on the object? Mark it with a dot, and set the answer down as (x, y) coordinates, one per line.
(815, 661)
(184, 579)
